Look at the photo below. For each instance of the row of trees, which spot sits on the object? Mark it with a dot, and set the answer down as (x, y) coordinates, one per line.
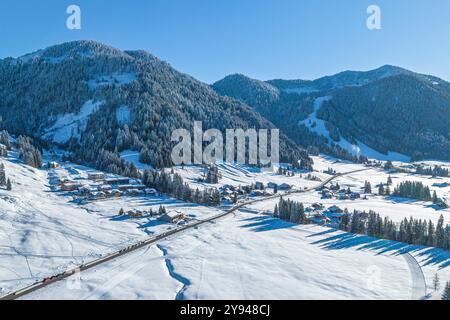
(285, 172)
(414, 190)
(173, 185)
(436, 171)
(412, 231)
(291, 211)
(4, 139)
(384, 190)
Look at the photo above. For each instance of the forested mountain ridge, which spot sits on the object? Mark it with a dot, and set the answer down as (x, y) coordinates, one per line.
(95, 101)
(387, 109)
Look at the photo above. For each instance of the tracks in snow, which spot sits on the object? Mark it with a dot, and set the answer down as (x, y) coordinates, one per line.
(184, 281)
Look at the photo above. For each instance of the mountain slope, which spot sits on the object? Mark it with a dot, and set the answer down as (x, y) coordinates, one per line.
(96, 101)
(387, 109)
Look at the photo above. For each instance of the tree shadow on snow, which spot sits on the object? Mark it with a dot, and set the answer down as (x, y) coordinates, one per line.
(266, 223)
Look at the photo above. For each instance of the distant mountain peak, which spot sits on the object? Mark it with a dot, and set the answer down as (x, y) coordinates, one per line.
(246, 89)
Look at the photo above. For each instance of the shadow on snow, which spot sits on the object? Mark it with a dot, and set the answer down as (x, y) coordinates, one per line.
(337, 240)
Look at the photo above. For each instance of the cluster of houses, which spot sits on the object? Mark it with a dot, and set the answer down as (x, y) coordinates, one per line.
(167, 217)
(335, 192)
(98, 185)
(258, 189)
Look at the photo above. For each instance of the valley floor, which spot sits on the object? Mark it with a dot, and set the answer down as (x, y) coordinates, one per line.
(247, 256)
(250, 255)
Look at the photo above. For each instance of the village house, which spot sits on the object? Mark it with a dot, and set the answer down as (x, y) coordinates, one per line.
(225, 199)
(335, 209)
(284, 186)
(116, 193)
(326, 194)
(127, 187)
(135, 214)
(94, 176)
(317, 206)
(227, 187)
(320, 219)
(355, 195)
(257, 193)
(334, 187)
(259, 185)
(343, 196)
(117, 181)
(59, 181)
(104, 187)
(272, 185)
(71, 187)
(336, 216)
(52, 165)
(441, 185)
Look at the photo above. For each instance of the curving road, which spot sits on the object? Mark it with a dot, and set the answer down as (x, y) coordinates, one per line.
(419, 286)
(39, 285)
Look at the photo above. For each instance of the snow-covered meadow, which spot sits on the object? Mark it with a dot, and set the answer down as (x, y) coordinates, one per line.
(246, 256)
(43, 232)
(252, 256)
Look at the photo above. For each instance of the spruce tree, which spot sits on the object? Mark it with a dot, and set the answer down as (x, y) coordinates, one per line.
(440, 233)
(389, 181)
(276, 213)
(2, 175)
(381, 189)
(436, 283)
(435, 197)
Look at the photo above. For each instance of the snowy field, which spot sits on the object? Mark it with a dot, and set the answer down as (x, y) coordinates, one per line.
(246, 256)
(44, 233)
(250, 256)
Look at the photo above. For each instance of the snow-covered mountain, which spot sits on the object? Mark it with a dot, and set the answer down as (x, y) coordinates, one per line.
(388, 109)
(338, 81)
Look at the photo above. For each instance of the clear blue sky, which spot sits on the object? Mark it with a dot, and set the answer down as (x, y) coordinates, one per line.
(264, 39)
